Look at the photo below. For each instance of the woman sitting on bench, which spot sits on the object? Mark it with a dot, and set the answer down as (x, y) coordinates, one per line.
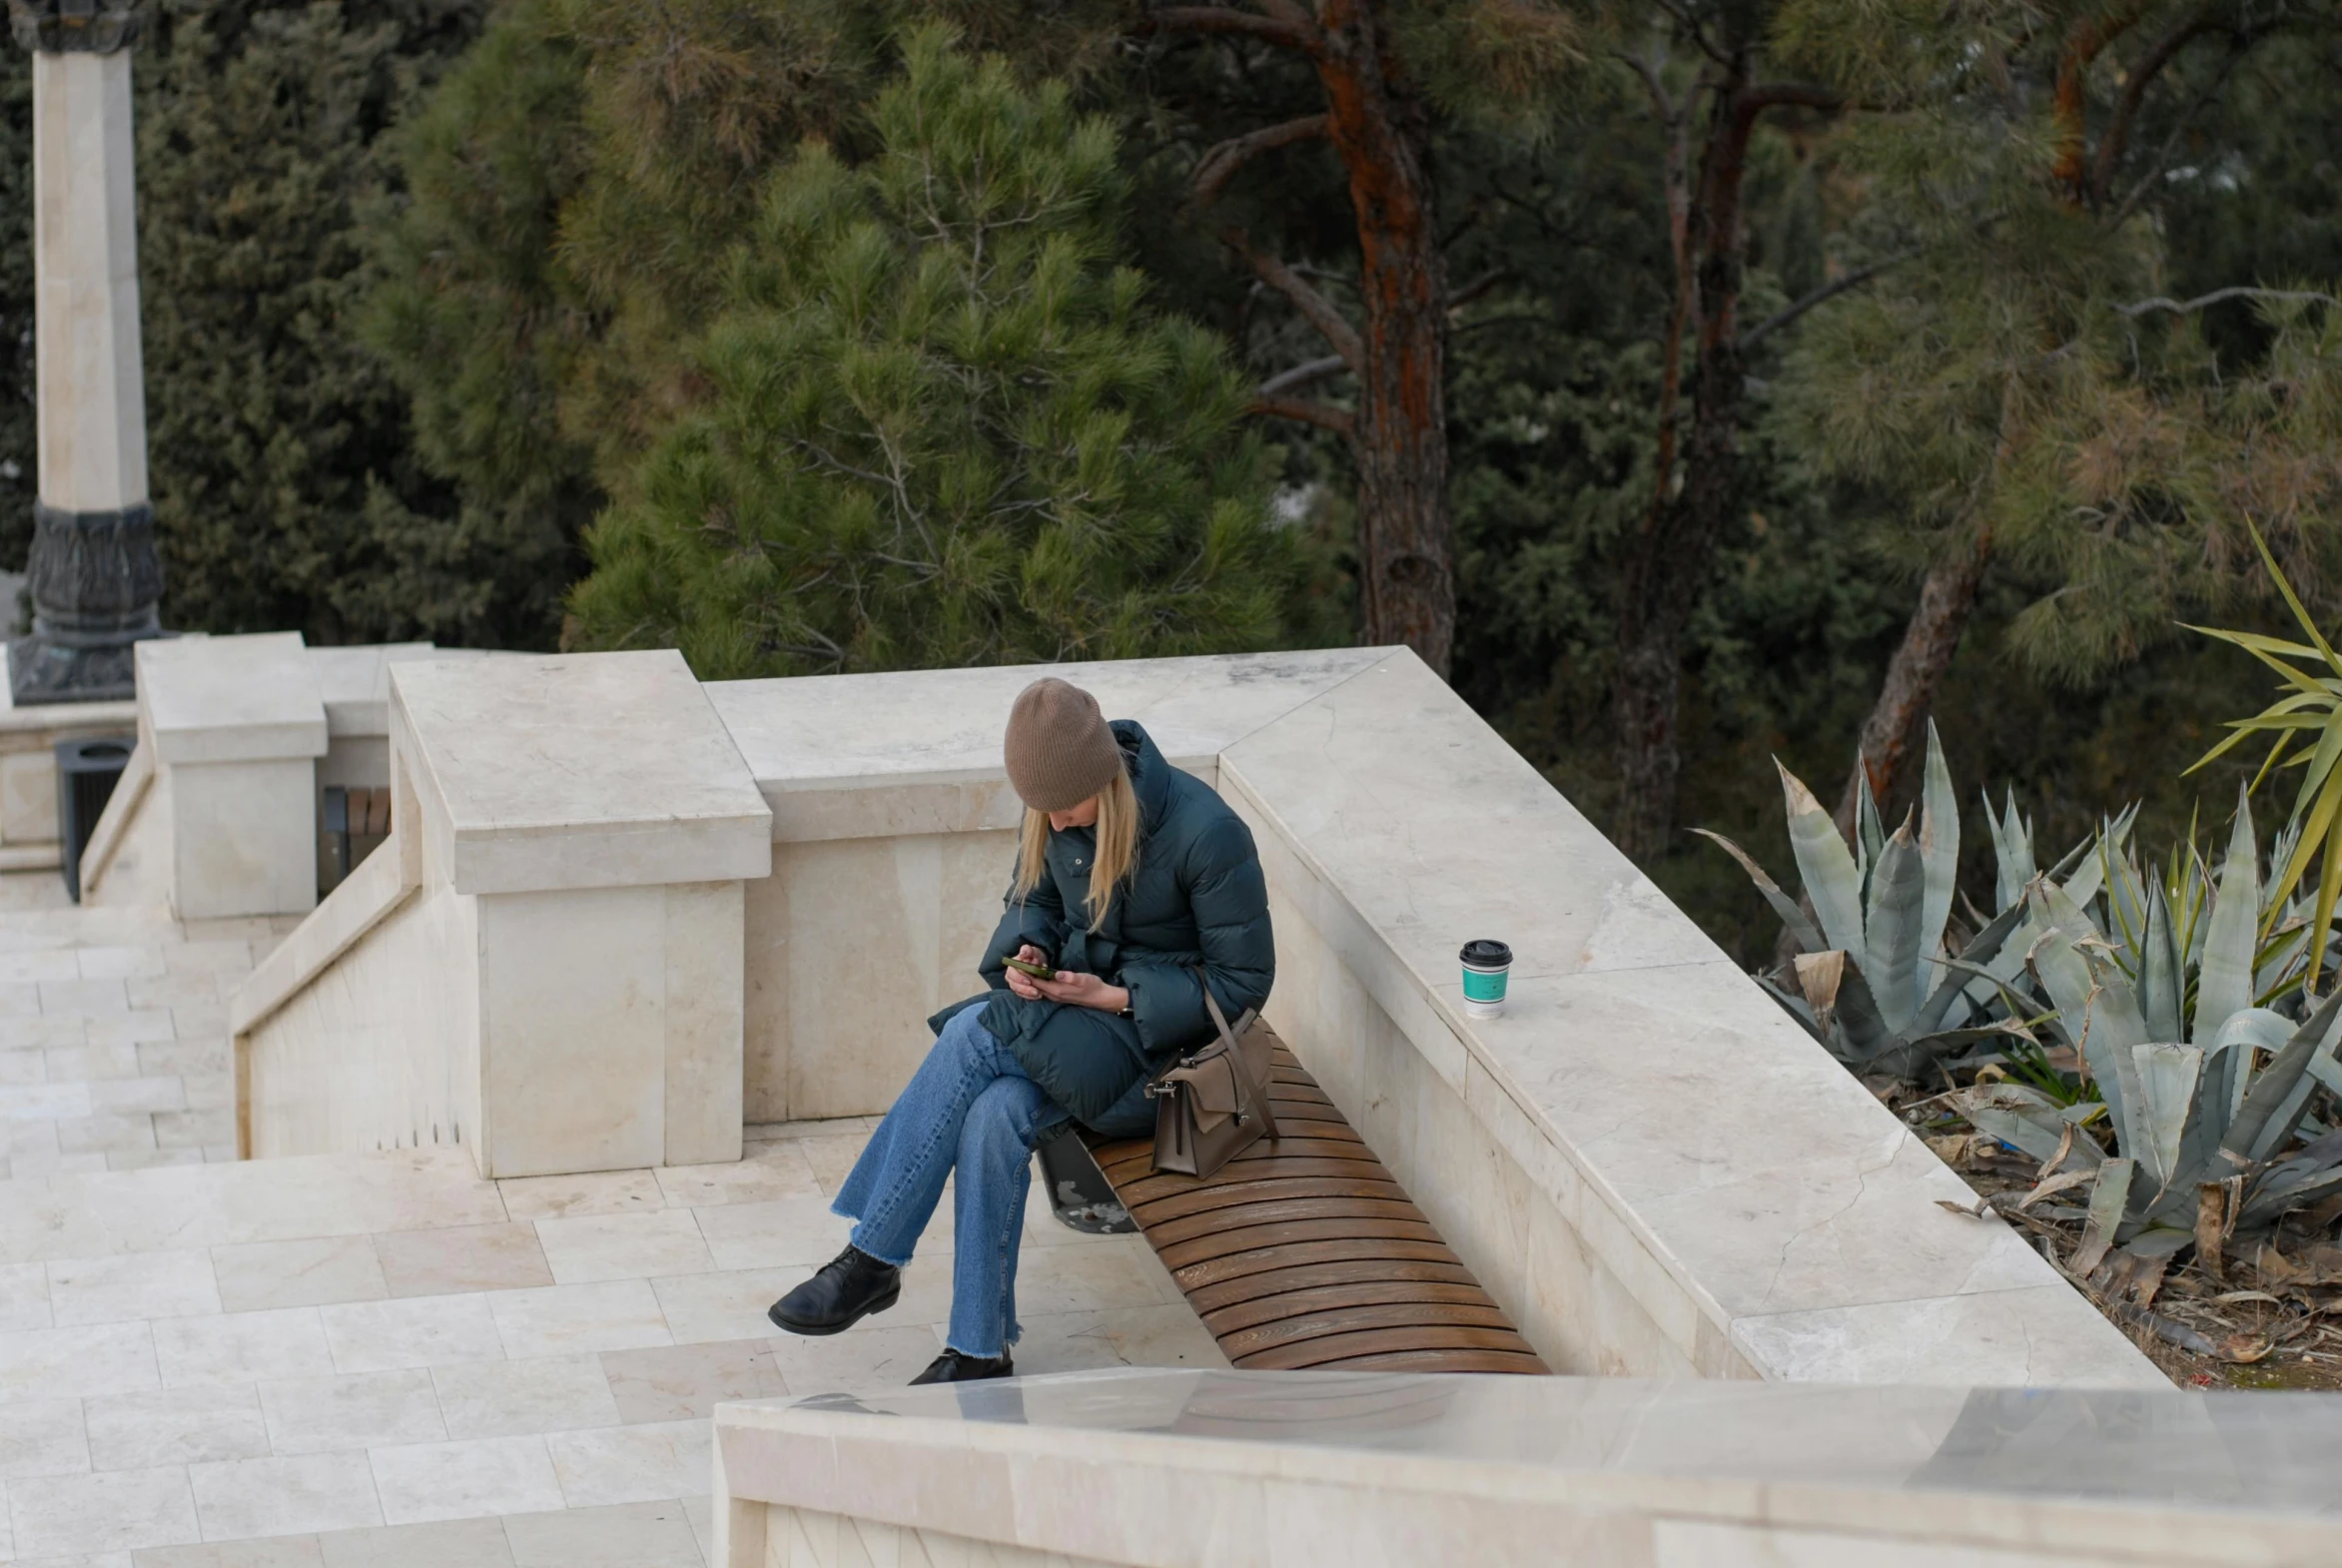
(1136, 886)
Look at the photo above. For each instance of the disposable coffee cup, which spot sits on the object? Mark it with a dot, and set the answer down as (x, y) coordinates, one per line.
(1487, 962)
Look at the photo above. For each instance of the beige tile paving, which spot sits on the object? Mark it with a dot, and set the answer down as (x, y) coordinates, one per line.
(377, 1360)
(461, 1258)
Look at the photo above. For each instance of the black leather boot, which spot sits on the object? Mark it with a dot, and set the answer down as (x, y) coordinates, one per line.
(850, 1287)
(953, 1368)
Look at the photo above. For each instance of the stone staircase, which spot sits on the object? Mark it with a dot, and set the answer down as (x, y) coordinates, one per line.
(382, 1359)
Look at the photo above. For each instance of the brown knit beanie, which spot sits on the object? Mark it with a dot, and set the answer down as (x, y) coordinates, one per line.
(1058, 749)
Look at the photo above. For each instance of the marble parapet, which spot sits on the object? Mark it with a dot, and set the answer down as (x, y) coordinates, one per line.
(1698, 1143)
(577, 771)
(354, 683)
(918, 751)
(1297, 1470)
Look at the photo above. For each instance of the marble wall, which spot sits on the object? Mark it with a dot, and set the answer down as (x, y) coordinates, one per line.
(546, 962)
(365, 1057)
(1183, 1470)
(851, 945)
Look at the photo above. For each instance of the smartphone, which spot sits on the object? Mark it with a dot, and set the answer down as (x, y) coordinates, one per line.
(1036, 970)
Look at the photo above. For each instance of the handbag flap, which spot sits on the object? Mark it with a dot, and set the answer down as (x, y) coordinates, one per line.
(1211, 1082)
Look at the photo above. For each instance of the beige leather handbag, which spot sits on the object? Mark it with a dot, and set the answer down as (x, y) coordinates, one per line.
(1213, 1104)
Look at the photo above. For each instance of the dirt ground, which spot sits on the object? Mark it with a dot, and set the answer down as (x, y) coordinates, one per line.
(2269, 1317)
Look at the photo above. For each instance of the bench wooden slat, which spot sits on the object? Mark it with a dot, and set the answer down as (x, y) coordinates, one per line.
(1262, 1259)
(1513, 1361)
(1284, 1304)
(1138, 1161)
(1361, 1317)
(1221, 1243)
(1331, 1349)
(1166, 1233)
(1201, 1199)
(1300, 1278)
(1303, 1251)
(1146, 1189)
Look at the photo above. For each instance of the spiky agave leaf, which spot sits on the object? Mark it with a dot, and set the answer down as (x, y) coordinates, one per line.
(1939, 855)
(2097, 1012)
(2261, 1122)
(2012, 852)
(2163, 982)
(1800, 930)
(1824, 865)
(2224, 975)
(1891, 927)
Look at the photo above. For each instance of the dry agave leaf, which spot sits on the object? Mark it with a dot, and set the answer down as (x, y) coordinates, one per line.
(2052, 1186)
(2065, 1148)
(1950, 1147)
(2234, 1297)
(1983, 1209)
(2274, 1265)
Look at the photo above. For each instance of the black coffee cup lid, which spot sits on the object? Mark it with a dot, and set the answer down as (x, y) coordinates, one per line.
(1487, 953)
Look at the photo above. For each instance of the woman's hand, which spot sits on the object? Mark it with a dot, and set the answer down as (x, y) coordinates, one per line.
(1083, 991)
(1020, 983)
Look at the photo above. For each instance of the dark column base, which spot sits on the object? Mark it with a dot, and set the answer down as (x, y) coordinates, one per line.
(95, 580)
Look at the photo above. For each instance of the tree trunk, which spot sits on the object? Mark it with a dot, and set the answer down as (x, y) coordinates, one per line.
(1667, 562)
(1894, 740)
(1406, 573)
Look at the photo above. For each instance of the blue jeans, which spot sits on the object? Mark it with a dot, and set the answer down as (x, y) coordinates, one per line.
(969, 1108)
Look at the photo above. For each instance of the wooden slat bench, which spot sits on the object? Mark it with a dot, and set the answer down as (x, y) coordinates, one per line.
(1303, 1251)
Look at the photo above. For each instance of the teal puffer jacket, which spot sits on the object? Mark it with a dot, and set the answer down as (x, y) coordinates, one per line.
(1197, 900)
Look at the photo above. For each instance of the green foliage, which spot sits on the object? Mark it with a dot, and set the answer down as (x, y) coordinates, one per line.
(940, 425)
(285, 489)
(2104, 989)
(2306, 721)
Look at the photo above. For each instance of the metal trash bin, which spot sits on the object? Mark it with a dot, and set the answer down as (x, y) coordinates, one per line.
(87, 771)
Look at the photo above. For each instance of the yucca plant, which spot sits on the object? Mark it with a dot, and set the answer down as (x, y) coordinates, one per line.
(1871, 978)
(2305, 730)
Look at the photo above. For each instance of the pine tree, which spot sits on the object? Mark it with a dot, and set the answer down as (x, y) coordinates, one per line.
(940, 425)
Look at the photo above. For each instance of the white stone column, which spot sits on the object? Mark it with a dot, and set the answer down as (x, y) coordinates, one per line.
(91, 385)
(95, 577)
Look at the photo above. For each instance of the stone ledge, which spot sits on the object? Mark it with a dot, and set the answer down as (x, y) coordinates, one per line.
(1358, 1470)
(577, 771)
(230, 699)
(918, 751)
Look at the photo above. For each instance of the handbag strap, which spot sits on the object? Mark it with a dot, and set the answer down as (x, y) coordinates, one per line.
(1255, 1094)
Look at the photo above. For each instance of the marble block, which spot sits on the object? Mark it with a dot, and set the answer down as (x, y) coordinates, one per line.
(230, 699)
(28, 797)
(591, 770)
(610, 1029)
(244, 839)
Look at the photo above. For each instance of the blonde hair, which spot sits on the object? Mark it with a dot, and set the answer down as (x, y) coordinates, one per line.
(1118, 848)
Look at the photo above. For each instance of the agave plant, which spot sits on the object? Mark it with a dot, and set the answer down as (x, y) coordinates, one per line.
(1872, 979)
(2182, 1089)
